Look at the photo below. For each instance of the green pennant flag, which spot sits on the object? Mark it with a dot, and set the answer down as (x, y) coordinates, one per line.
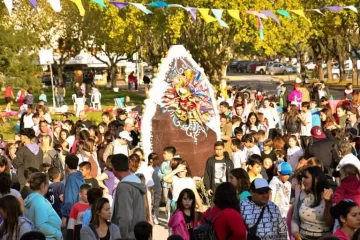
(284, 13)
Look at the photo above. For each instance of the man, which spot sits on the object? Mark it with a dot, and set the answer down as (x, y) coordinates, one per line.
(105, 116)
(130, 128)
(83, 122)
(217, 169)
(271, 115)
(258, 209)
(226, 132)
(129, 204)
(306, 122)
(341, 113)
(322, 147)
(225, 109)
(321, 91)
(278, 87)
(80, 101)
(283, 98)
(305, 92)
(43, 131)
(345, 150)
(119, 145)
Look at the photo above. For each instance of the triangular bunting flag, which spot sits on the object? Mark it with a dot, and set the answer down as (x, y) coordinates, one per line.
(192, 12)
(234, 14)
(33, 4)
(284, 13)
(261, 29)
(120, 5)
(55, 5)
(218, 14)
(176, 5)
(9, 5)
(301, 13)
(158, 4)
(100, 3)
(260, 15)
(205, 14)
(317, 10)
(333, 8)
(80, 6)
(270, 14)
(352, 8)
(141, 7)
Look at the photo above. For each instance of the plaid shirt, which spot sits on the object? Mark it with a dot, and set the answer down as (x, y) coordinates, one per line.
(272, 226)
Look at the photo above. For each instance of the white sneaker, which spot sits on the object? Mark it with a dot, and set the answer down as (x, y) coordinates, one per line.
(155, 220)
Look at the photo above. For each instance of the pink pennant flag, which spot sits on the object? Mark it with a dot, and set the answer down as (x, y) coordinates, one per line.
(260, 15)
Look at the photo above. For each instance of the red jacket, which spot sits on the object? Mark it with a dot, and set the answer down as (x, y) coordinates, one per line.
(229, 221)
(349, 189)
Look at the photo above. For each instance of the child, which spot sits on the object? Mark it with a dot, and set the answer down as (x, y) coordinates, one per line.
(280, 156)
(42, 96)
(349, 90)
(350, 185)
(44, 167)
(76, 214)
(268, 151)
(250, 146)
(281, 188)
(143, 231)
(254, 167)
(26, 190)
(294, 152)
(238, 156)
(93, 194)
(238, 132)
(306, 123)
(260, 137)
(315, 115)
(107, 179)
(241, 181)
(183, 221)
(154, 162)
(217, 168)
(165, 168)
(268, 166)
(56, 190)
(85, 169)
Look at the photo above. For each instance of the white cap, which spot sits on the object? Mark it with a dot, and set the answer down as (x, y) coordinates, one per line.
(298, 80)
(306, 80)
(125, 135)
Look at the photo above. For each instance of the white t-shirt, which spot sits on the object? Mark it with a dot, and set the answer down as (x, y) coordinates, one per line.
(13, 192)
(293, 156)
(306, 130)
(28, 122)
(250, 151)
(147, 172)
(280, 194)
(118, 148)
(180, 184)
(238, 158)
(70, 140)
(271, 115)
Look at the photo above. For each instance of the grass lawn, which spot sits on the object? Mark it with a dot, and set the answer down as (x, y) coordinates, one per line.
(107, 102)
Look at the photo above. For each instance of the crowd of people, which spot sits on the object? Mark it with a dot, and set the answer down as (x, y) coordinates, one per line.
(286, 167)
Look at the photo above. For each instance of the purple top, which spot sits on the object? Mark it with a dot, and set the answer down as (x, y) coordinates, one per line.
(111, 183)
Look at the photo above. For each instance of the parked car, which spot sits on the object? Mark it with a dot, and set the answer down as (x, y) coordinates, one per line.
(310, 66)
(233, 65)
(251, 68)
(242, 66)
(262, 68)
(278, 68)
(290, 68)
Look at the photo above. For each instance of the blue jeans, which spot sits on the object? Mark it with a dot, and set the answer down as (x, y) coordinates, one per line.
(60, 100)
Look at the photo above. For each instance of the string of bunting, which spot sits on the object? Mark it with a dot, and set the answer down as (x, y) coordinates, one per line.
(204, 12)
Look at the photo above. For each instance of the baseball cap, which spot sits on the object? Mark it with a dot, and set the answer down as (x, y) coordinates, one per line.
(296, 85)
(125, 135)
(285, 168)
(259, 185)
(317, 132)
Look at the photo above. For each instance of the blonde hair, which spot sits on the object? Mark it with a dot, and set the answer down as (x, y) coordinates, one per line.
(46, 144)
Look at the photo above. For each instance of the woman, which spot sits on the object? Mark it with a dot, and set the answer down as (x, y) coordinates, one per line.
(327, 119)
(107, 138)
(352, 126)
(228, 224)
(49, 152)
(88, 153)
(252, 124)
(64, 134)
(60, 93)
(20, 96)
(180, 178)
(43, 114)
(348, 214)
(14, 225)
(311, 208)
(241, 181)
(292, 122)
(101, 133)
(39, 210)
(100, 227)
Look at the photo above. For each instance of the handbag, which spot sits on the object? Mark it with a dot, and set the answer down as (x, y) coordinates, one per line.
(252, 231)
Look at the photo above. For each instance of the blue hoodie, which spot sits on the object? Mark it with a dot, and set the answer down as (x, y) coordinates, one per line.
(71, 193)
(42, 214)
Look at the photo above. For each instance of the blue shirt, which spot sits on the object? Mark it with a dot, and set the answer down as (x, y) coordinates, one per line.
(316, 121)
(43, 97)
(86, 218)
(164, 169)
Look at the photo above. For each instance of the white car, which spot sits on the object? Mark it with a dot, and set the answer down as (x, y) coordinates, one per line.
(311, 66)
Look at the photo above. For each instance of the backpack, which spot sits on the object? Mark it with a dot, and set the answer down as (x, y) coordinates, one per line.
(57, 163)
(206, 230)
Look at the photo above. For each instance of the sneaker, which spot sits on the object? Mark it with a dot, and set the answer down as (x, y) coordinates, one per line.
(155, 220)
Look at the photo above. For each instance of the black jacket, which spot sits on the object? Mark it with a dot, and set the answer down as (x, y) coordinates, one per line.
(222, 167)
(323, 150)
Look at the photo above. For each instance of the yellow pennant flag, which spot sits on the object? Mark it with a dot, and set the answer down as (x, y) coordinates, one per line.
(301, 13)
(79, 6)
(205, 14)
(235, 14)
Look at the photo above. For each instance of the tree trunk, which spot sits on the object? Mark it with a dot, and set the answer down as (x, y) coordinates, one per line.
(302, 65)
(223, 72)
(113, 75)
(342, 66)
(354, 71)
(329, 69)
(319, 63)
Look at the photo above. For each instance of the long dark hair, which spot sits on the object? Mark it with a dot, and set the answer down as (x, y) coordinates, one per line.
(190, 194)
(226, 197)
(95, 209)
(11, 206)
(243, 179)
(248, 119)
(342, 209)
(318, 184)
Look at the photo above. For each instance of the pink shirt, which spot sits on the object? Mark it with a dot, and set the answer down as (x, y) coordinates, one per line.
(341, 235)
